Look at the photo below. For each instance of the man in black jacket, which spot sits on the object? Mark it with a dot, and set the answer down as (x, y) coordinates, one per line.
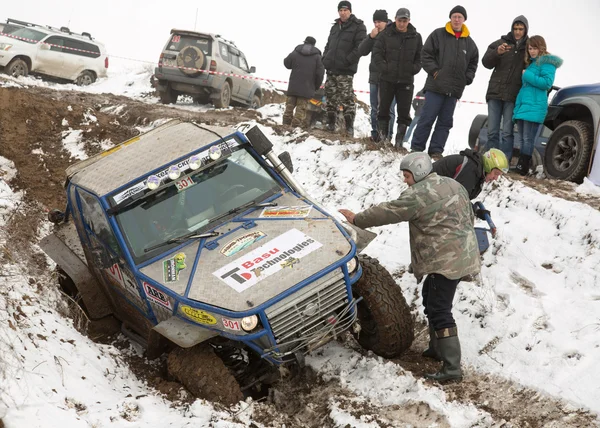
(340, 59)
(450, 59)
(306, 77)
(397, 55)
(380, 20)
(505, 57)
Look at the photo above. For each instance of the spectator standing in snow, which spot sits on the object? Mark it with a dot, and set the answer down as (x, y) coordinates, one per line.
(450, 59)
(380, 20)
(505, 57)
(340, 59)
(443, 247)
(306, 77)
(397, 55)
(532, 101)
(418, 107)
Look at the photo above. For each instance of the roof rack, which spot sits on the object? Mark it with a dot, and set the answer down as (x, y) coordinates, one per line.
(59, 30)
(218, 36)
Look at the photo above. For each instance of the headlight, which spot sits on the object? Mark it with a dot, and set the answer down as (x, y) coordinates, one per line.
(5, 46)
(351, 265)
(249, 323)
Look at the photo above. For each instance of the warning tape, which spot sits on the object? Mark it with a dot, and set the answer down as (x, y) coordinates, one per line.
(160, 64)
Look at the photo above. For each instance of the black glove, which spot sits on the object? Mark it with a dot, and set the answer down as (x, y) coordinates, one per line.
(479, 213)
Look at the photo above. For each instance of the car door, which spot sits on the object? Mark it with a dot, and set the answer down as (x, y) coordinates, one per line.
(238, 90)
(75, 56)
(50, 57)
(246, 83)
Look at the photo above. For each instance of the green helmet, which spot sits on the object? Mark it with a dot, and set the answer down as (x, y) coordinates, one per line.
(494, 158)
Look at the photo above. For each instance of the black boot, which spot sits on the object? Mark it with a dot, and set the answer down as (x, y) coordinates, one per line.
(400, 133)
(449, 348)
(383, 128)
(349, 118)
(331, 116)
(433, 351)
(523, 164)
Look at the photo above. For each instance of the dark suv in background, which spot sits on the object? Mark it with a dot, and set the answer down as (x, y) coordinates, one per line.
(208, 68)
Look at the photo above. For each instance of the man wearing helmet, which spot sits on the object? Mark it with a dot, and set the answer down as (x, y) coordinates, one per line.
(443, 247)
(472, 169)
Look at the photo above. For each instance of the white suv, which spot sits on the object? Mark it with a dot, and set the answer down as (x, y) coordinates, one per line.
(53, 52)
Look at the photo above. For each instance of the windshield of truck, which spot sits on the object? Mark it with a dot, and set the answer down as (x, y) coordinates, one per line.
(28, 35)
(196, 202)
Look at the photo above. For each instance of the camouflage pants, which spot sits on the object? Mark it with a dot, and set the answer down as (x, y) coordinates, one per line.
(298, 119)
(339, 92)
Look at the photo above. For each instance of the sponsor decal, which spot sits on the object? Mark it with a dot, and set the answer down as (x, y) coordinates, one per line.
(116, 274)
(267, 260)
(225, 148)
(292, 211)
(198, 315)
(172, 267)
(242, 242)
(156, 295)
(231, 324)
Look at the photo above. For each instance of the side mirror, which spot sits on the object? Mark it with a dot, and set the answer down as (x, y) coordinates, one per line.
(253, 69)
(286, 159)
(44, 47)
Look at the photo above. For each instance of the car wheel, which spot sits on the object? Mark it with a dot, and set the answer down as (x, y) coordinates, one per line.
(479, 122)
(224, 96)
(17, 68)
(569, 150)
(168, 97)
(85, 78)
(201, 99)
(256, 102)
(190, 60)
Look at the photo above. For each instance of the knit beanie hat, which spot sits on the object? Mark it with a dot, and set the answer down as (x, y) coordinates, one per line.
(380, 15)
(458, 9)
(310, 40)
(345, 4)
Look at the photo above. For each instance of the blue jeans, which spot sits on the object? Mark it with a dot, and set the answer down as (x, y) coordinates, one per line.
(440, 107)
(528, 130)
(374, 95)
(501, 112)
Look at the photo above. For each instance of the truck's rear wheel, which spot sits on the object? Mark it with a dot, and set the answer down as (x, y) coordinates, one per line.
(387, 327)
(204, 374)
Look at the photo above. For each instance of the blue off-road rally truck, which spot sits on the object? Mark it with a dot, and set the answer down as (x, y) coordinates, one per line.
(197, 242)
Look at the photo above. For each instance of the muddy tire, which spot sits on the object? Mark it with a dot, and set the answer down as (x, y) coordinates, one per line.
(85, 78)
(168, 97)
(204, 374)
(568, 152)
(256, 102)
(224, 98)
(385, 318)
(17, 68)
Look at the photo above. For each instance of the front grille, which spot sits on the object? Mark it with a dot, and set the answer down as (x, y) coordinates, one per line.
(304, 323)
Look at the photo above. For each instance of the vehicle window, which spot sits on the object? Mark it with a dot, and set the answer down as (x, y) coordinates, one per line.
(191, 203)
(95, 220)
(234, 60)
(55, 43)
(244, 64)
(224, 51)
(178, 42)
(77, 47)
(28, 35)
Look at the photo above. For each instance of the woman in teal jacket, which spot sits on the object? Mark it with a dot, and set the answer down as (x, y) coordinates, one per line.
(532, 102)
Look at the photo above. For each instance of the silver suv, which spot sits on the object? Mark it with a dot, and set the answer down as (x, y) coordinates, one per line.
(206, 67)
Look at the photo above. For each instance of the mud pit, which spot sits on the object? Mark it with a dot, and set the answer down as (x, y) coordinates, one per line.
(31, 129)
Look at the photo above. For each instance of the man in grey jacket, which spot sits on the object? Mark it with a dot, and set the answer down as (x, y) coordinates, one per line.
(306, 77)
(443, 246)
(450, 58)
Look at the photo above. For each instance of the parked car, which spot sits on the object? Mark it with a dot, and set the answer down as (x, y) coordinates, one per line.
(208, 68)
(49, 51)
(202, 244)
(565, 145)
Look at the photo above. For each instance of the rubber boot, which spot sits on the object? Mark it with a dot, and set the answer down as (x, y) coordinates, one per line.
(400, 133)
(383, 128)
(331, 116)
(349, 119)
(449, 348)
(433, 351)
(523, 164)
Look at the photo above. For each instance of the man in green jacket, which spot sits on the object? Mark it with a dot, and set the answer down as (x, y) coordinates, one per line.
(443, 247)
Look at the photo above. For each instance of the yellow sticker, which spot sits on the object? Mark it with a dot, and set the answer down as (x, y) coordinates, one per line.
(198, 315)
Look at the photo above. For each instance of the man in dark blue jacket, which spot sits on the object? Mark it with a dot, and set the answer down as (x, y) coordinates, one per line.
(450, 59)
(306, 77)
(340, 59)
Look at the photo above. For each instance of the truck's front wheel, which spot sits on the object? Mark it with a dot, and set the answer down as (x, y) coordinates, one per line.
(387, 326)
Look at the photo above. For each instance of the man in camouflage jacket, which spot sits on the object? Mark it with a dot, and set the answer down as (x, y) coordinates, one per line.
(443, 246)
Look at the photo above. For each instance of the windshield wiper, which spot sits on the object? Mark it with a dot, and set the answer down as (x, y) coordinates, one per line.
(251, 204)
(182, 238)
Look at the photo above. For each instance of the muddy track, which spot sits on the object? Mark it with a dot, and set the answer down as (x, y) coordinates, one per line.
(32, 122)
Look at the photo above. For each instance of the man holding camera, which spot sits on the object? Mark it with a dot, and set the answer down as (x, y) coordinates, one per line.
(506, 57)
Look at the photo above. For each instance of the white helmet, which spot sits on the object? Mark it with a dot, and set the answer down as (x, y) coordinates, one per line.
(418, 163)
